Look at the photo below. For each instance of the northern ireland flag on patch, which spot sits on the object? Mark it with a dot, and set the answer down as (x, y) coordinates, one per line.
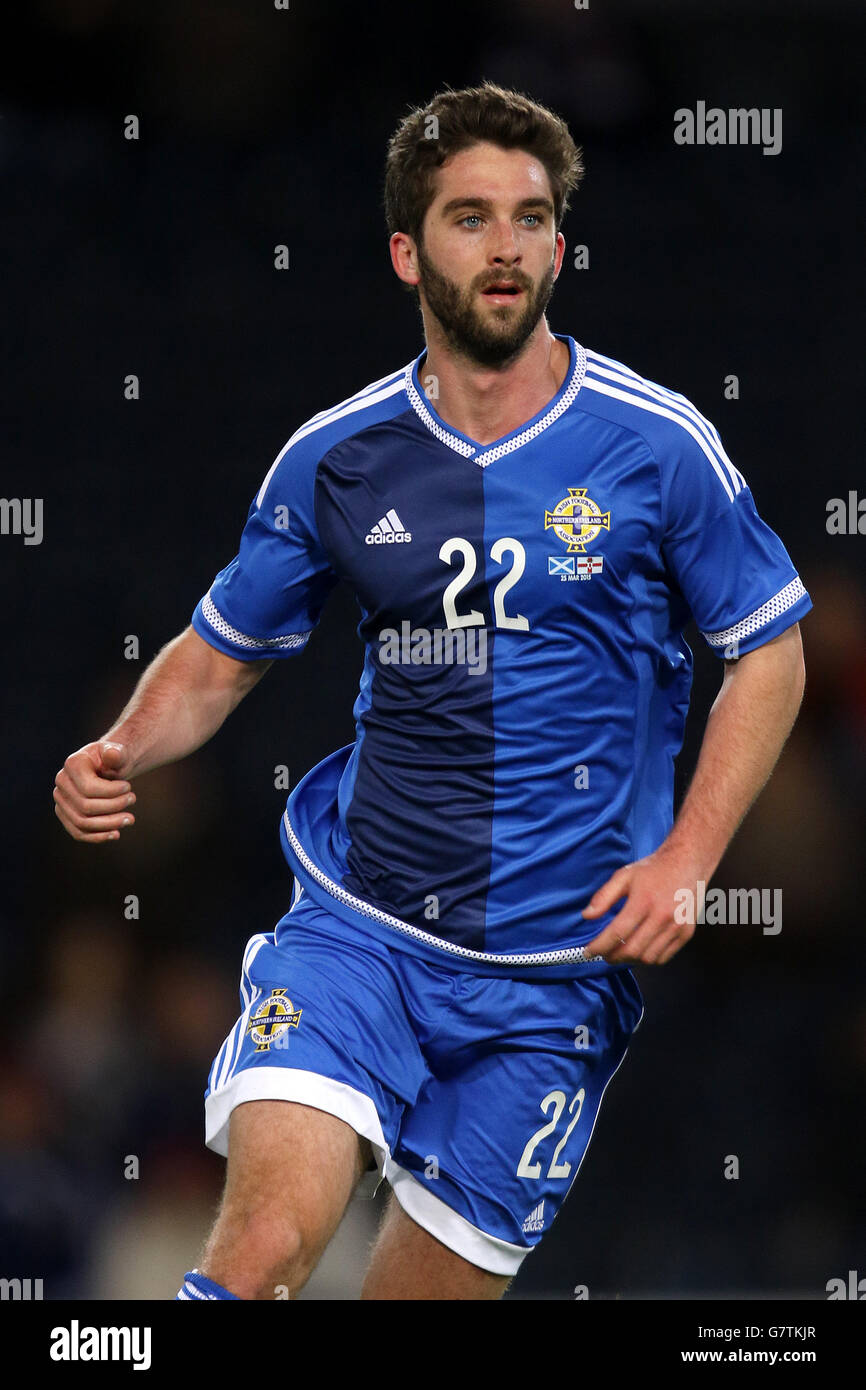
(588, 565)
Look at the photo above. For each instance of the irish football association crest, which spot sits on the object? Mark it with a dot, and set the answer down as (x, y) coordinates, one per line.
(273, 1017)
(577, 520)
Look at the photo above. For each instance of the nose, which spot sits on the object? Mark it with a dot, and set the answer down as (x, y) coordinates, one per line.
(504, 246)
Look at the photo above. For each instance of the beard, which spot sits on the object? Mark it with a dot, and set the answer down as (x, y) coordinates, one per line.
(488, 337)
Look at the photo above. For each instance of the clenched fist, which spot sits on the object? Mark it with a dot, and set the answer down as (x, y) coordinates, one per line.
(91, 796)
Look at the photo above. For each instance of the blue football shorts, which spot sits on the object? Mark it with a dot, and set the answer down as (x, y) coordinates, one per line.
(478, 1092)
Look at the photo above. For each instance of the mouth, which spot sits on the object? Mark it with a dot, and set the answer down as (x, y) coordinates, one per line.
(504, 292)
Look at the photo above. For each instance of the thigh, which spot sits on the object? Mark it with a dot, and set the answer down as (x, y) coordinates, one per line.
(290, 1174)
(409, 1263)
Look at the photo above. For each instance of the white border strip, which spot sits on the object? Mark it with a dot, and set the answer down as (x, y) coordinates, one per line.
(307, 1088)
(448, 1226)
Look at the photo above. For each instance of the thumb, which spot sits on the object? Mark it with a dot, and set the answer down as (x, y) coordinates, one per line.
(610, 892)
(112, 757)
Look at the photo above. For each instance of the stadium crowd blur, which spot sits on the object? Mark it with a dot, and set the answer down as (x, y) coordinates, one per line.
(155, 257)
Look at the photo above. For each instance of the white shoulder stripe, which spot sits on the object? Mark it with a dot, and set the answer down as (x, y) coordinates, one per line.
(682, 406)
(370, 396)
(618, 371)
(591, 384)
(349, 407)
(366, 391)
(676, 402)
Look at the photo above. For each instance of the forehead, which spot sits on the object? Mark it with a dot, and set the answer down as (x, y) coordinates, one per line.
(487, 171)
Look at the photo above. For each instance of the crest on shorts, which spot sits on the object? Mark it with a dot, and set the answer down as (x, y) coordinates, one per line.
(272, 1019)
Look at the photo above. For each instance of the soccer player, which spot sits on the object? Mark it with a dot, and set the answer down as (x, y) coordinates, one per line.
(528, 526)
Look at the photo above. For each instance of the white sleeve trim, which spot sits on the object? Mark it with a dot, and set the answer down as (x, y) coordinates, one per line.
(773, 608)
(214, 618)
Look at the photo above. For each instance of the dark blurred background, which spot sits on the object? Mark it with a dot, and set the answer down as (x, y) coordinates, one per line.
(261, 126)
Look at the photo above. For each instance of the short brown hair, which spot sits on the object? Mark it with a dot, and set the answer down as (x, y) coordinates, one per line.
(509, 119)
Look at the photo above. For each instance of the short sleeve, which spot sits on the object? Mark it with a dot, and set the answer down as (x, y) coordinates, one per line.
(268, 599)
(734, 572)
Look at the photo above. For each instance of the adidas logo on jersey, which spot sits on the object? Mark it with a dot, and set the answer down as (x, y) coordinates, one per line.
(389, 530)
(535, 1220)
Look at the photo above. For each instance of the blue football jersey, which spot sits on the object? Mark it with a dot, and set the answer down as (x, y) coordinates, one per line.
(526, 679)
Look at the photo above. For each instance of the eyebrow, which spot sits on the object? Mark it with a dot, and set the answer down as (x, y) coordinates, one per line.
(485, 204)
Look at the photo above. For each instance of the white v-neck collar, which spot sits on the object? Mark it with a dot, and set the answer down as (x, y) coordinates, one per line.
(483, 454)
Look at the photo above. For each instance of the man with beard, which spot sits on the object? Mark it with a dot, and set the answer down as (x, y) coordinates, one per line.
(450, 993)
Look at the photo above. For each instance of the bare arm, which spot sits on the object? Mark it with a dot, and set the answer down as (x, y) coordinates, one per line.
(748, 724)
(183, 697)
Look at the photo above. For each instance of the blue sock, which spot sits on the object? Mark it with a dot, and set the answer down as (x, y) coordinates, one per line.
(198, 1288)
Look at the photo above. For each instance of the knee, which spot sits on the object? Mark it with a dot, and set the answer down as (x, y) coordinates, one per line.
(258, 1255)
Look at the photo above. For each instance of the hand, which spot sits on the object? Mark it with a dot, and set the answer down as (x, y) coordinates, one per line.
(644, 929)
(91, 795)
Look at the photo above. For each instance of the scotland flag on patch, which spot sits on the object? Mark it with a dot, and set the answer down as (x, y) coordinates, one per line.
(560, 564)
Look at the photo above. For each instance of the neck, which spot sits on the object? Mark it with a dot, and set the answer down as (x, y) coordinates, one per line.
(486, 403)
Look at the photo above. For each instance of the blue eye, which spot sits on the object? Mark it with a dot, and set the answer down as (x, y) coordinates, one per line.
(537, 219)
